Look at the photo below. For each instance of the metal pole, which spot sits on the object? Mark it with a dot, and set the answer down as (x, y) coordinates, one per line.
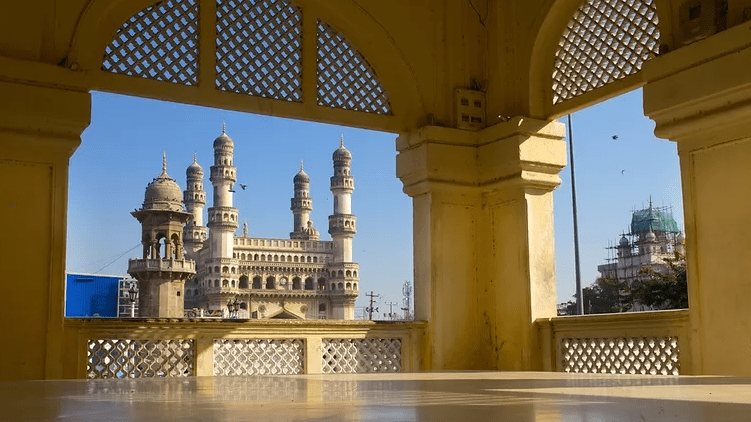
(579, 293)
(132, 308)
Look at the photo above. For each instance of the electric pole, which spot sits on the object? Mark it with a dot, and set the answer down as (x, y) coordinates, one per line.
(391, 309)
(370, 309)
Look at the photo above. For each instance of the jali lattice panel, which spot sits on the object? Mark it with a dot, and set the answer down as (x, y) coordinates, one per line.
(113, 358)
(632, 355)
(604, 41)
(259, 357)
(160, 42)
(259, 48)
(361, 355)
(345, 79)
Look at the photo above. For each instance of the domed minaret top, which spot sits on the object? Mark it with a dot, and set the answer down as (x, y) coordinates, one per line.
(301, 176)
(194, 169)
(223, 141)
(163, 193)
(342, 154)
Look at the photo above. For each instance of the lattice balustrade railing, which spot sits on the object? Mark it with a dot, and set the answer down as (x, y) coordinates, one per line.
(345, 79)
(160, 42)
(259, 48)
(361, 355)
(124, 358)
(605, 40)
(233, 357)
(625, 355)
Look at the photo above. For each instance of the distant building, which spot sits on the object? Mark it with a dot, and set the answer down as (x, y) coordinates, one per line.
(654, 237)
(91, 295)
(187, 265)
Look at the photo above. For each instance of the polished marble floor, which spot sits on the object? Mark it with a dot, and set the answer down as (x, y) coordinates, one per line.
(443, 396)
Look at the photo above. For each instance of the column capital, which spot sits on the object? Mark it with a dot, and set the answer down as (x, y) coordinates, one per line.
(521, 152)
(701, 93)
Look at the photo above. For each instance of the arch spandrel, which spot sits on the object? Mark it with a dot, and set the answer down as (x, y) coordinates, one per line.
(102, 21)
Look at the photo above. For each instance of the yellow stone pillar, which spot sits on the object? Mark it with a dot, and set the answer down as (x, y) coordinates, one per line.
(483, 240)
(700, 97)
(39, 130)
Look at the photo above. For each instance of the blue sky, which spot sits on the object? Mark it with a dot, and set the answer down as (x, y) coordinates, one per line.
(121, 152)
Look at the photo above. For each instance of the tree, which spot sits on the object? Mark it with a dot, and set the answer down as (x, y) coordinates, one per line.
(667, 290)
(604, 296)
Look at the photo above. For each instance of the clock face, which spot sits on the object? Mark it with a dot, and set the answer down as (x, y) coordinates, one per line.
(283, 282)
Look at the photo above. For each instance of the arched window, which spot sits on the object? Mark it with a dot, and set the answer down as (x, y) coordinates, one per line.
(341, 286)
(354, 286)
(322, 308)
(263, 257)
(242, 257)
(216, 269)
(309, 260)
(354, 274)
(216, 283)
(283, 258)
(232, 283)
(349, 285)
(276, 258)
(309, 283)
(255, 257)
(340, 273)
(271, 283)
(321, 284)
(315, 259)
(296, 283)
(349, 273)
(232, 270)
(225, 269)
(225, 283)
(296, 259)
(257, 282)
(333, 286)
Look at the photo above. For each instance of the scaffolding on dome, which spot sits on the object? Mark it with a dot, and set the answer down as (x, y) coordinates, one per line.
(637, 241)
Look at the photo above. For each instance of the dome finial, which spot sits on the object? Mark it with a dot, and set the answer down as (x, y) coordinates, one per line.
(224, 127)
(195, 157)
(164, 162)
(341, 140)
(301, 169)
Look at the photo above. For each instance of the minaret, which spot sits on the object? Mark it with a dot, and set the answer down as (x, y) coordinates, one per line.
(162, 272)
(301, 207)
(194, 198)
(222, 224)
(342, 227)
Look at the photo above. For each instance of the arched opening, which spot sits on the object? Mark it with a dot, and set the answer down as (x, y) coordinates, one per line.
(321, 284)
(225, 283)
(296, 283)
(257, 282)
(309, 283)
(271, 283)
(244, 282)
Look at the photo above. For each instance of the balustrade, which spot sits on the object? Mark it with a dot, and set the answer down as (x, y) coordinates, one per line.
(647, 343)
(136, 348)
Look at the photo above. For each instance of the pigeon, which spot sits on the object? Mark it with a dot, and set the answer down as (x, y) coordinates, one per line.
(615, 137)
(243, 186)
(623, 171)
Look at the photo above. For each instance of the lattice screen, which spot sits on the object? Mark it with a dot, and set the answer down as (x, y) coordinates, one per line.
(160, 42)
(112, 358)
(345, 79)
(633, 355)
(259, 48)
(259, 357)
(361, 355)
(605, 40)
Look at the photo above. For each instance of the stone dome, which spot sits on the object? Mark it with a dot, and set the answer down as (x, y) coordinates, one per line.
(194, 169)
(301, 176)
(624, 241)
(223, 141)
(341, 153)
(163, 193)
(650, 237)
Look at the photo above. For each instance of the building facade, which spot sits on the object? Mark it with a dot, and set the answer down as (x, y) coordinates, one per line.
(300, 277)
(654, 238)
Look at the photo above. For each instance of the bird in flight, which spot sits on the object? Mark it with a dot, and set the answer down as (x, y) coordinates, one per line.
(243, 186)
(615, 137)
(623, 171)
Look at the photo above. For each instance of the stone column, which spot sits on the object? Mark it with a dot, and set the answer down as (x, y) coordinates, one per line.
(39, 130)
(700, 97)
(483, 240)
